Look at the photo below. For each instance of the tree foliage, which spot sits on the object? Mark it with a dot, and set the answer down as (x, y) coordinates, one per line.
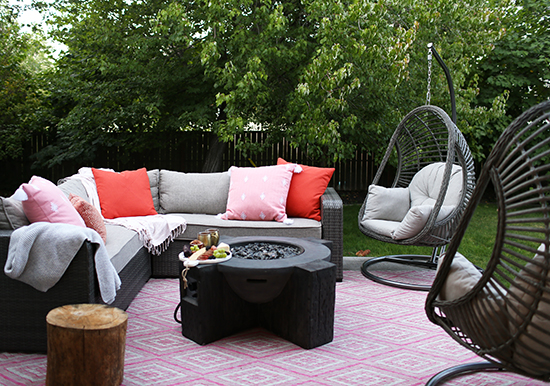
(21, 62)
(332, 76)
(520, 60)
(302, 70)
(343, 77)
(120, 82)
(518, 66)
(463, 33)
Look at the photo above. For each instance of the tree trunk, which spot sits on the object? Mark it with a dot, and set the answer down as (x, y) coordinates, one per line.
(86, 345)
(214, 158)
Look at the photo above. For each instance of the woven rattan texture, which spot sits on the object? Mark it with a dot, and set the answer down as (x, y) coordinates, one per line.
(505, 318)
(24, 309)
(333, 227)
(133, 277)
(168, 264)
(427, 135)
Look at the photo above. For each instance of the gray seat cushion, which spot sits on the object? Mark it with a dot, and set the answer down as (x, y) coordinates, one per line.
(302, 227)
(122, 245)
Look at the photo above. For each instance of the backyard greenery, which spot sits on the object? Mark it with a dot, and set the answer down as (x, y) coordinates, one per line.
(476, 245)
(331, 76)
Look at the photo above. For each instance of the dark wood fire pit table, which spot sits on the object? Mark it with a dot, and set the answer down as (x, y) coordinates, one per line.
(291, 297)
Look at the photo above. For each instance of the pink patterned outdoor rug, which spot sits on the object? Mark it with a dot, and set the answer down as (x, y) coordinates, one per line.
(381, 337)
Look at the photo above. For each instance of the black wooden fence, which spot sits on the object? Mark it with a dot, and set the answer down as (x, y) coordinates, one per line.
(186, 152)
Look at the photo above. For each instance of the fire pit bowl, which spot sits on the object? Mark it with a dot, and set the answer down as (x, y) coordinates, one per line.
(260, 281)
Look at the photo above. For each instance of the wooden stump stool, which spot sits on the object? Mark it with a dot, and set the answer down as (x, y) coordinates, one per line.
(86, 345)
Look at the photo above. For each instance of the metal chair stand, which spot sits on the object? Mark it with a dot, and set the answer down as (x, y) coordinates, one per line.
(418, 261)
(460, 370)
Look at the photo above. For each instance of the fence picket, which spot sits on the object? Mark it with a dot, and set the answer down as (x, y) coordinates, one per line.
(186, 152)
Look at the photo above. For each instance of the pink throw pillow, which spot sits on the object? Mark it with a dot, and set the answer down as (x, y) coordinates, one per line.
(45, 202)
(91, 216)
(259, 193)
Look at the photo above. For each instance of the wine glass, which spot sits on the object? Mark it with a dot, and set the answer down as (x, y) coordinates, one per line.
(214, 236)
(205, 238)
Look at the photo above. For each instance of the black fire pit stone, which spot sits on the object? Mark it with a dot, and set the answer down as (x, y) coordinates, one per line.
(292, 297)
(265, 251)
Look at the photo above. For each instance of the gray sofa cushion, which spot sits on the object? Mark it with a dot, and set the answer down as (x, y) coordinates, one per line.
(12, 215)
(154, 176)
(193, 192)
(302, 227)
(73, 186)
(122, 245)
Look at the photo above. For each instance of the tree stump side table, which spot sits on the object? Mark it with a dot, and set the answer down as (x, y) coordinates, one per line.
(86, 345)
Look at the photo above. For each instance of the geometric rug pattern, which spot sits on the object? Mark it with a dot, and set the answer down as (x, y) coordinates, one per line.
(381, 337)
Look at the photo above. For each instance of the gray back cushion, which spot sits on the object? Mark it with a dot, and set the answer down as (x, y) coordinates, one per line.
(12, 215)
(73, 186)
(154, 184)
(204, 193)
(425, 185)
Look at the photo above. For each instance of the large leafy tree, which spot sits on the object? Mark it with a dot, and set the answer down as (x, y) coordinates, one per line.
(121, 81)
(328, 75)
(21, 62)
(463, 32)
(520, 60)
(518, 66)
(334, 76)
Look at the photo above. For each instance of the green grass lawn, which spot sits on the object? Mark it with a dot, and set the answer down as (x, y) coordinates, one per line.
(476, 245)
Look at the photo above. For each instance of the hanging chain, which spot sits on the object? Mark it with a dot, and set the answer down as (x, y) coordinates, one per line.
(428, 95)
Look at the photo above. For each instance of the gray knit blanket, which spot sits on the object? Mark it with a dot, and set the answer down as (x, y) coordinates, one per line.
(40, 253)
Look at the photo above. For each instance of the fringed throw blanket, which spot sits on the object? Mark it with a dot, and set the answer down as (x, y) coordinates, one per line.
(40, 253)
(155, 232)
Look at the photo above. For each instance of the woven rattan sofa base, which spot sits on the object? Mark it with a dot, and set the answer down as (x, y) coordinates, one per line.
(24, 309)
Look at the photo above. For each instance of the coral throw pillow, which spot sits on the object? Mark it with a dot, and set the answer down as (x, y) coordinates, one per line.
(91, 216)
(259, 193)
(45, 202)
(124, 194)
(306, 190)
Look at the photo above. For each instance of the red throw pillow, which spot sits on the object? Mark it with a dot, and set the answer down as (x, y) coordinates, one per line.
(306, 189)
(124, 194)
(91, 216)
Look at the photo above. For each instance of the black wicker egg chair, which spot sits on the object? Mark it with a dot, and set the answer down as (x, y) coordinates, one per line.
(425, 138)
(503, 313)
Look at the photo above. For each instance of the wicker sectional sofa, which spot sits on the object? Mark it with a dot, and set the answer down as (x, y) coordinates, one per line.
(22, 321)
